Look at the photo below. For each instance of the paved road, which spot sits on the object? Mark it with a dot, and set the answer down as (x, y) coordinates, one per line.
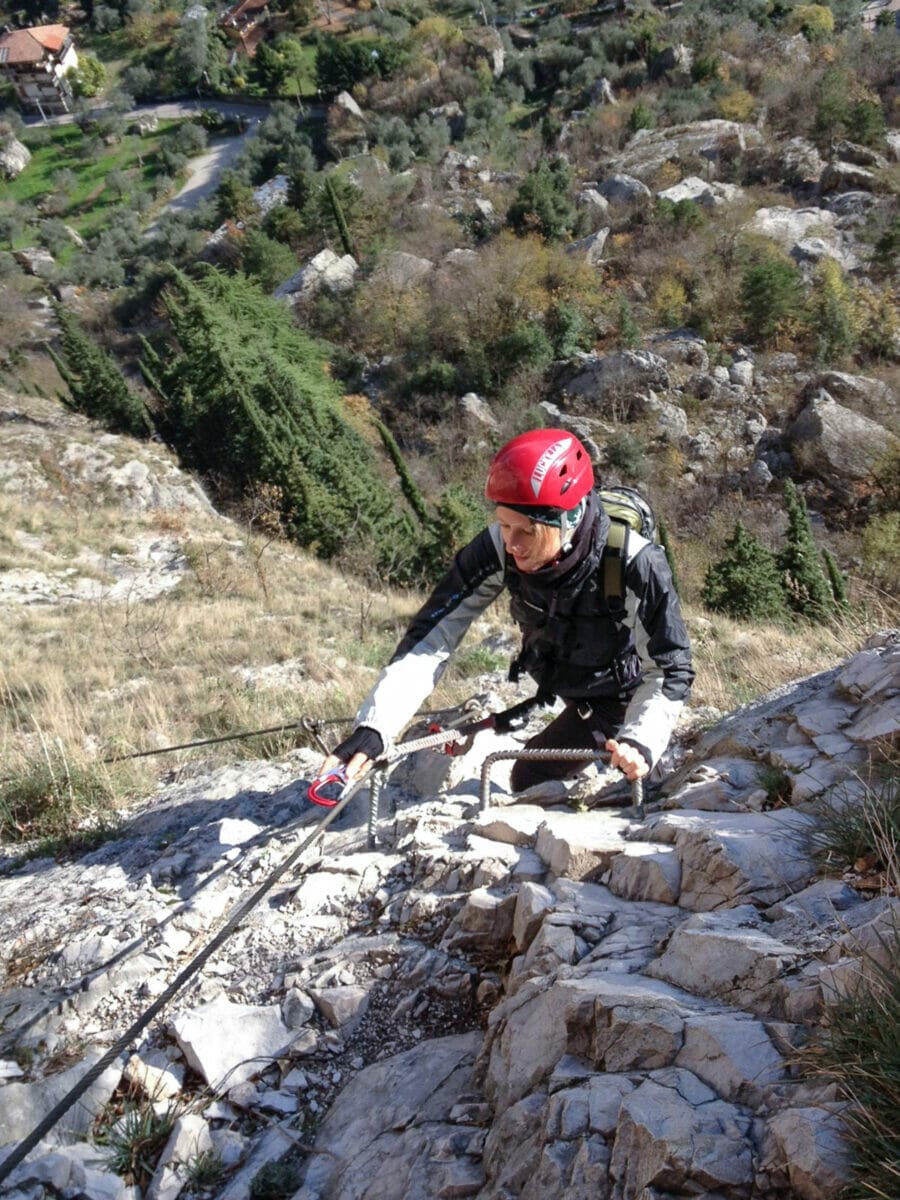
(205, 171)
(168, 111)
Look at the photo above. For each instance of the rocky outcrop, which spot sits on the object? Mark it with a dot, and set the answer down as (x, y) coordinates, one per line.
(590, 248)
(49, 457)
(521, 1001)
(14, 156)
(325, 271)
(602, 379)
(808, 234)
(707, 193)
(713, 140)
(833, 443)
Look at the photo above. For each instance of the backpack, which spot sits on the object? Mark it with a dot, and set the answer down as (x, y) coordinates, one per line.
(627, 509)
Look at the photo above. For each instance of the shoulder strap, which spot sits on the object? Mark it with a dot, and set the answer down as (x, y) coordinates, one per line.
(615, 554)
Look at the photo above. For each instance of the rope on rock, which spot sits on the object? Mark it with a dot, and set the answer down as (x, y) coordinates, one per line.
(122, 1043)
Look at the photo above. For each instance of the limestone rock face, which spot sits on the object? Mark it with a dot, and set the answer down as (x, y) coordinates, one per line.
(23, 1105)
(230, 1043)
(327, 270)
(389, 1123)
(461, 1012)
(622, 189)
(35, 260)
(712, 140)
(591, 247)
(595, 377)
(806, 233)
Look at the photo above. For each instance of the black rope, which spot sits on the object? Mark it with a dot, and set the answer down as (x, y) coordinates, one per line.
(307, 724)
(121, 1044)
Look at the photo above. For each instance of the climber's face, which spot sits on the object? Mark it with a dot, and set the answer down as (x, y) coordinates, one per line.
(530, 544)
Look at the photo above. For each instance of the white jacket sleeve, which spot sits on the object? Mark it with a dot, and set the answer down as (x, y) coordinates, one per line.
(469, 587)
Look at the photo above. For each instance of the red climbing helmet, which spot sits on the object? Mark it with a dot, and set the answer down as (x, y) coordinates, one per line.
(545, 468)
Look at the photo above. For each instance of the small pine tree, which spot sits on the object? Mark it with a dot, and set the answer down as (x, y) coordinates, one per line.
(771, 295)
(458, 517)
(830, 315)
(805, 582)
(543, 204)
(628, 332)
(837, 581)
(96, 386)
(745, 583)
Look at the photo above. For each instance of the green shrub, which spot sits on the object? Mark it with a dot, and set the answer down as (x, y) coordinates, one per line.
(771, 297)
(881, 547)
(641, 117)
(88, 77)
(683, 214)
(55, 797)
(526, 345)
(343, 62)
(830, 315)
(745, 583)
(458, 517)
(846, 108)
(265, 260)
(569, 329)
(814, 21)
(433, 378)
(543, 202)
(275, 1181)
(627, 330)
(134, 1143)
(627, 453)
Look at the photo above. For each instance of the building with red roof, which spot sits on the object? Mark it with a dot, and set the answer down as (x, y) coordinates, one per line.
(246, 23)
(36, 60)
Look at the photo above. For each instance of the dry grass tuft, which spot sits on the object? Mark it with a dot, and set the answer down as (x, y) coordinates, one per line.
(861, 1052)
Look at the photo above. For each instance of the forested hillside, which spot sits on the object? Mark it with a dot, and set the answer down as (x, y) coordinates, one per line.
(673, 228)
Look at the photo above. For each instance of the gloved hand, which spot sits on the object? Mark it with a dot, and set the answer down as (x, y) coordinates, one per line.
(356, 751)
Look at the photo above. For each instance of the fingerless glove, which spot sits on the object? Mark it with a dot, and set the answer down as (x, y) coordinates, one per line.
(362, 740)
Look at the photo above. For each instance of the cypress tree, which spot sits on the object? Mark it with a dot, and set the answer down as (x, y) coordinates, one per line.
(670, 555)
(250, 401)
(837, 581)
(340, 220)
(414, 497)
(745, 583)
(806, 586)
(96, 386)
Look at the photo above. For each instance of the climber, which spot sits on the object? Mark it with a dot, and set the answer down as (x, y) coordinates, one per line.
(623, 671)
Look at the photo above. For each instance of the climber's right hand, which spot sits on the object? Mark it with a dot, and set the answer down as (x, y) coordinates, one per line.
(355, 752)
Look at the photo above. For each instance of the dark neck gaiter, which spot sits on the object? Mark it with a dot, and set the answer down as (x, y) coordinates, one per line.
(587, 547)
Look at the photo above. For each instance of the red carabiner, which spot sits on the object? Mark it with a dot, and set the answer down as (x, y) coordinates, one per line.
(314, 791)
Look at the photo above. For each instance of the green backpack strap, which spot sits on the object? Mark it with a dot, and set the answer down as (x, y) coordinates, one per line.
(614, 559)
